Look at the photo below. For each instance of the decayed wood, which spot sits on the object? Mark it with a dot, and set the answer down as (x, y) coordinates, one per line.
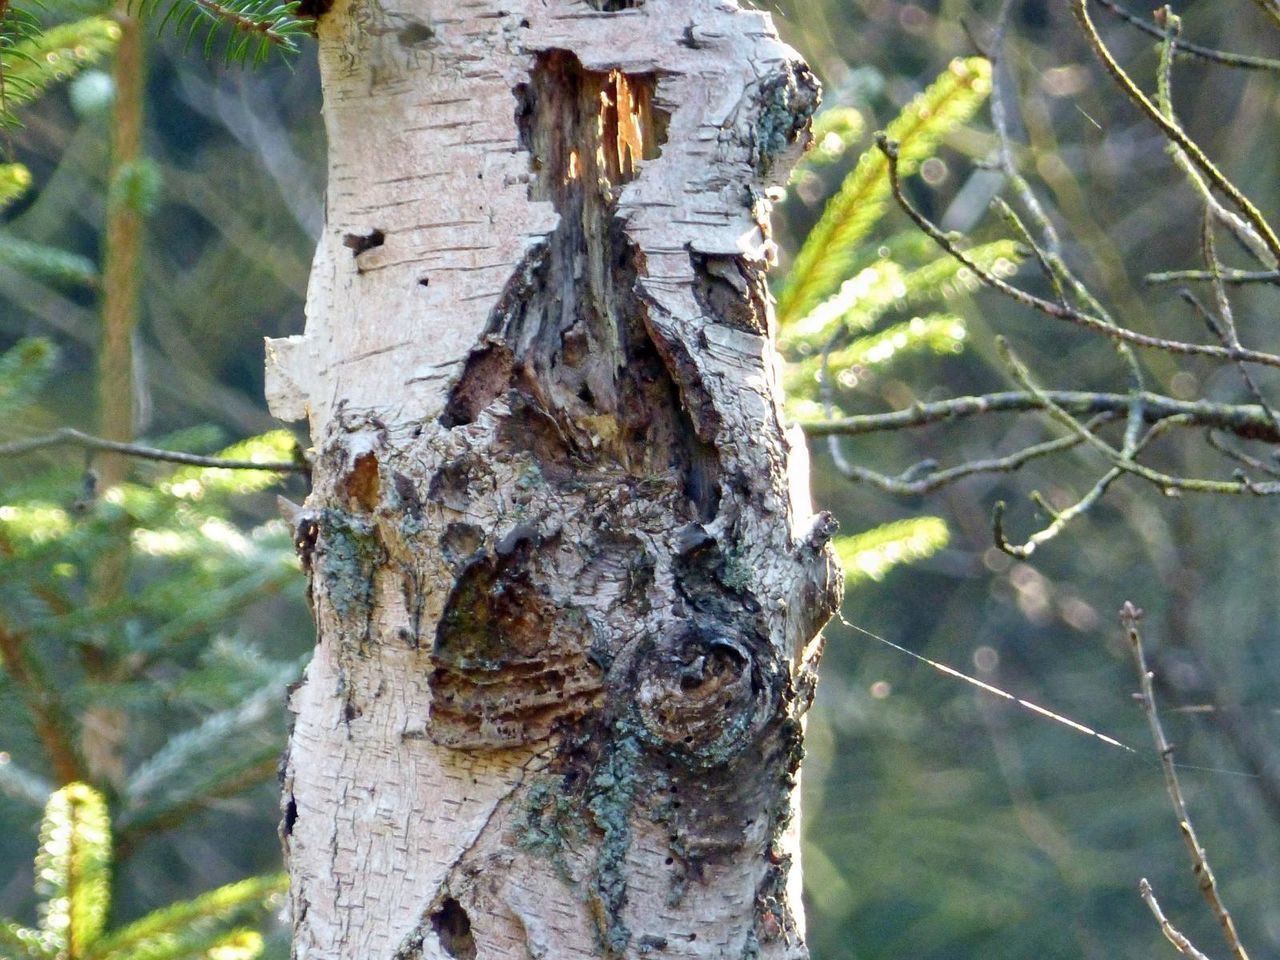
(565, 574)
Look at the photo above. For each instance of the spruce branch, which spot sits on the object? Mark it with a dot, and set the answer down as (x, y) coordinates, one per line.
(260, 25)
(48, 713)
(827, 252)
(33, 58)
(190, 918)
(73, 868)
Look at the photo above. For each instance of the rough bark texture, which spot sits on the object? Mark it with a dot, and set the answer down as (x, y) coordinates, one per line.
(565, 575)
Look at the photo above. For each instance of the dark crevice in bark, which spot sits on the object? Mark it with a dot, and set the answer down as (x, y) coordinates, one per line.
(732, 292)
(358, 243)
(594, 380)
(453, 928)
(486, 376)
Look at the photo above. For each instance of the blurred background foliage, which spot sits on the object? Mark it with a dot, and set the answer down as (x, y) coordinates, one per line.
(940, 823)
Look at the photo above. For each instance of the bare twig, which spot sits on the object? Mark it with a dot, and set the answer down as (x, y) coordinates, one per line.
(1271, 8)
(1189, 49)
(1227, 276)
(1123, 459)
(1129, 617)
(1246, 421)
(68, 437)
(1214, 209)
(1240, 457)
(1175, 133)
(1059, 519)
(1048, 307)
(1227, 330)
(1049, 251)
(924, 478)
(1171, 933)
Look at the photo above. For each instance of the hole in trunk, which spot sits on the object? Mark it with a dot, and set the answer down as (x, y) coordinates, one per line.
(452, 925)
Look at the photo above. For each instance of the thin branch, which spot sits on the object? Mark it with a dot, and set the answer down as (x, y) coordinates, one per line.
(1175, 133)
(1227, 331)
(1060, 519)
(1240, 457)
(1247, 421)
(1171, 933)
(1189, 49)
(1244, 233)
(1000, 122)
(1049, 251)
(75, 438)
(1227, 276)
(1056, 310)
(1271, 8)
(923, 478)
(1129, 616)
(1164, 481)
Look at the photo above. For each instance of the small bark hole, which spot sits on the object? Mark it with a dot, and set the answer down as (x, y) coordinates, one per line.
(452, 925)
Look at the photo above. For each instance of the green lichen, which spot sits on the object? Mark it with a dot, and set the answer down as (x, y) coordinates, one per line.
(787, 101)
(350, 552)
(552, 823)
(556, 820)
(610, 799)
(530, 477)
(735, 572)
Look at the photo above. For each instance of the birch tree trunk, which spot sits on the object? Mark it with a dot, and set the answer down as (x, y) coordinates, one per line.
(565, 574)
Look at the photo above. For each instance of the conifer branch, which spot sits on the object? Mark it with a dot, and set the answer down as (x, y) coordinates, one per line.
(48, 714)
(271, 23)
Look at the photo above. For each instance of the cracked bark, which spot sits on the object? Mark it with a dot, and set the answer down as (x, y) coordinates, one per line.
(566, 578)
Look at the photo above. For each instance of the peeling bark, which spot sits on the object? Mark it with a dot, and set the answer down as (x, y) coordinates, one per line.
(565, 574)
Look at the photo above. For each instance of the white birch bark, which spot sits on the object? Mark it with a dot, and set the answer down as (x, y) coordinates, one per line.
(565, 575)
